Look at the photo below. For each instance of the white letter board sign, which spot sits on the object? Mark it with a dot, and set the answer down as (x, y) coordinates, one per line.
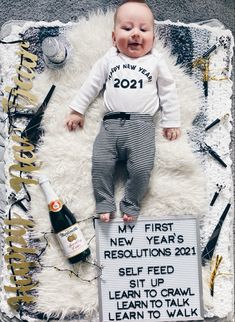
(151, 270)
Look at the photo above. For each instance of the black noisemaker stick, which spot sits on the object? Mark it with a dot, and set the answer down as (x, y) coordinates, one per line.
(210, 246)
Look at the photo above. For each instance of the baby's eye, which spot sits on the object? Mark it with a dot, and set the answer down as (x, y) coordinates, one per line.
(143, 29)
(127, 28)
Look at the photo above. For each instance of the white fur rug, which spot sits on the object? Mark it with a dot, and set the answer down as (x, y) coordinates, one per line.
(180, 184)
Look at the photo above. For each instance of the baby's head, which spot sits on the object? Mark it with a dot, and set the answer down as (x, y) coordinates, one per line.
(133, 33)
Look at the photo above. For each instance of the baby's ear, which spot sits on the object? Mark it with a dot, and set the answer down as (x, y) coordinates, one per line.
(114, 38)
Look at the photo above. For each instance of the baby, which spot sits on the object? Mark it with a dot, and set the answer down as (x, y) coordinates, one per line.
(137, 83)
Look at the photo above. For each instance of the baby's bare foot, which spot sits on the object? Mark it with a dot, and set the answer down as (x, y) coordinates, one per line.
(105, 217)
(128, 218)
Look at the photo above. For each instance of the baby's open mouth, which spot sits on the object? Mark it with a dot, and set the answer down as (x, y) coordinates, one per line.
(134, 44)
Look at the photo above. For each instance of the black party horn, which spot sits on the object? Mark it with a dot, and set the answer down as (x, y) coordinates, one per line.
(216, 121)
(33, 131)
(215, 155)
(216, 194)
(210, 246)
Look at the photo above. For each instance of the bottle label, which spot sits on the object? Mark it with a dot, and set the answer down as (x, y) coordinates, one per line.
(72, 241)
(55, 205)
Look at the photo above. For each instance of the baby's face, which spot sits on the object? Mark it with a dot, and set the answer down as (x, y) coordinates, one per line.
(133, 33)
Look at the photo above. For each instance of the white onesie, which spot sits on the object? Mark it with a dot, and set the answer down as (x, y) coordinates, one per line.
(140, 85)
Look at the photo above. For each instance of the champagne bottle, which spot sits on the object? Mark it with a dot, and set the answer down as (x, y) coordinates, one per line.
(64, 224)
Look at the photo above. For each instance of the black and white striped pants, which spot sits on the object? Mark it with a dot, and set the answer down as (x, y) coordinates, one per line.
(131, 139)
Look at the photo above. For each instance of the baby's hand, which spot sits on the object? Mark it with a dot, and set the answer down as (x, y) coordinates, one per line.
(74, 120)
(172, 133)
